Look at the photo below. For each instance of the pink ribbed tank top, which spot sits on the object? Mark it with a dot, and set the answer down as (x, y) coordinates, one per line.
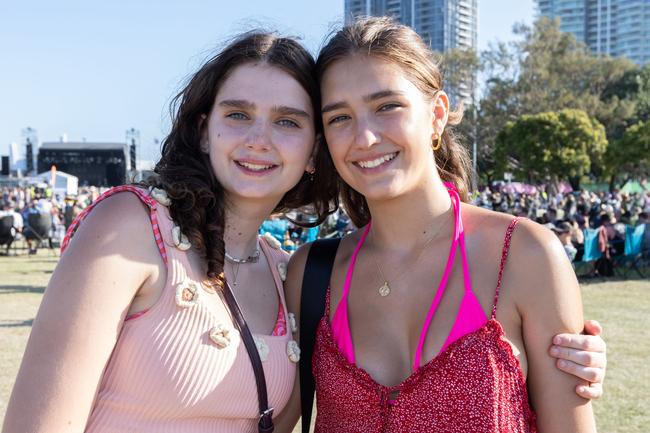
(181, 366)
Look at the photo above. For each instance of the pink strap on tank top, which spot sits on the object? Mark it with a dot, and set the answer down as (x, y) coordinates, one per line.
(142, 195)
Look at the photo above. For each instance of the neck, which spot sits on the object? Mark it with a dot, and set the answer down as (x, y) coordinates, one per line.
(403, 222)
(243, 219)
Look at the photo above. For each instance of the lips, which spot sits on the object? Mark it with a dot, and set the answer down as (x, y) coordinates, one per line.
(376, 161)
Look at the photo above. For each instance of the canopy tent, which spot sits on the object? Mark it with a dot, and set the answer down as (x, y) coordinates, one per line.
(64, 183)
(633, 186)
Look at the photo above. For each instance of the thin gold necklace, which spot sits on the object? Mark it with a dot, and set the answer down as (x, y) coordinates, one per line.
(385, 289)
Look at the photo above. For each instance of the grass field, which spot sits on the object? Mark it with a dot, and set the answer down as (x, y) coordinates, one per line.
(623, 307)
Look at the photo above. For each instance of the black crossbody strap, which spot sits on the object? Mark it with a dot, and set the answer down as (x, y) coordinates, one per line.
(318, 269)
(265, 424)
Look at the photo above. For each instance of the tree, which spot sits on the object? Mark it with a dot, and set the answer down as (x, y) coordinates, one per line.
(547, 70)
(551, 146)
(629, 156)
(632, 89)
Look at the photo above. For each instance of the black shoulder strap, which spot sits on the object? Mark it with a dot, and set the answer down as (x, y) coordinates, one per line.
(315, 280)
(265, 422)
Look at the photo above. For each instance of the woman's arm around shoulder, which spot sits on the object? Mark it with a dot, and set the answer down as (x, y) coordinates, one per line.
(111, 256)
(547, 296)
(286, 420)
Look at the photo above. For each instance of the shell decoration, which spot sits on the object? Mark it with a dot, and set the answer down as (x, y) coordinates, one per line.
(187, 294)
(160, 195)
(272, 241)
(292, 322)
(282, 270)
(180, 240)
(262, 347)
(293, 351)
(221, 335)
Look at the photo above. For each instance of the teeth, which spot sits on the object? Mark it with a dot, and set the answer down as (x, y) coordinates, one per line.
(377, 162)
(254, 167)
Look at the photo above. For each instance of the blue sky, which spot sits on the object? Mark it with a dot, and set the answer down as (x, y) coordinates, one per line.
(93, 69)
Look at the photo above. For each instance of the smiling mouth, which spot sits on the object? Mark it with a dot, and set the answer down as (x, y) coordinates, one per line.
(258, 168)
(374, 163)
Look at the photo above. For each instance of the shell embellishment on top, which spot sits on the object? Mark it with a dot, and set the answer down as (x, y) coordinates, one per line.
(180, 240)
(272, 241)
(282, 270)
(187, 294)
(221, 335)
(292, 322)
(293, 351)
(262, 348)
(160, 195)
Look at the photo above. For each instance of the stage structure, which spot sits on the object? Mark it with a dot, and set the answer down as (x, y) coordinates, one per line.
(98, 164)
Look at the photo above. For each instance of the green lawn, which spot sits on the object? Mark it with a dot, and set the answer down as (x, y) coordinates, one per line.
(623, 307)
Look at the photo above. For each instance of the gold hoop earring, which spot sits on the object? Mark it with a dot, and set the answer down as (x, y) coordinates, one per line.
(437, 144)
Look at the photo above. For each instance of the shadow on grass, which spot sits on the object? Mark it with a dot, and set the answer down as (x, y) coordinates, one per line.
(7, 290)
(33, 272)
(16, 323)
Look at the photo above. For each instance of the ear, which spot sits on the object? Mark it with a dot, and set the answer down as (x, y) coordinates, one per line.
(311, 166)
(440, 112)
(204, 145)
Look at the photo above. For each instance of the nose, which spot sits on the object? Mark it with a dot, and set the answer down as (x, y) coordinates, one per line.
(366, 135)
(259, 137)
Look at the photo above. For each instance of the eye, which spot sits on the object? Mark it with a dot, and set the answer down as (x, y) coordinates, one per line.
(388, 107)
(338, 119)
(288, 123)
(237, 116)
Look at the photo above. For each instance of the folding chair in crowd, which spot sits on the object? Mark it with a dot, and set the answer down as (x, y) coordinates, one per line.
(38, 228)
(591, 254)
(632, 258)
(7, 231)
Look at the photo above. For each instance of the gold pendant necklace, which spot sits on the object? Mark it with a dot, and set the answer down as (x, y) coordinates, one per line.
(385, 290)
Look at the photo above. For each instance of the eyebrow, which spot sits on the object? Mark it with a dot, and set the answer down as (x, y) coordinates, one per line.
(290, 111)
(247, 105)
(368, 98)
(237, 103)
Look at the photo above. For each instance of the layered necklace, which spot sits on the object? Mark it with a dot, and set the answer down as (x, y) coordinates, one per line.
(385, 289)
(237, 261)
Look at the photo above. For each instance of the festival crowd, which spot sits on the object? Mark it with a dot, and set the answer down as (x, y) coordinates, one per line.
(567, 214)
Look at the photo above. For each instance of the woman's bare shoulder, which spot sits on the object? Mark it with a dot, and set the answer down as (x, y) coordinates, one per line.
(122, 218)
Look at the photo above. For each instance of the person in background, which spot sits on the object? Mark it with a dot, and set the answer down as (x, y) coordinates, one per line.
(564, 230)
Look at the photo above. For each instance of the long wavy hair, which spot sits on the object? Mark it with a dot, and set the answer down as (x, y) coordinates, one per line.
(184, 171)
(386, 39)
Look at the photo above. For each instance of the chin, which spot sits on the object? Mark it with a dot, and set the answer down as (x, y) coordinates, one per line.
(380, 192)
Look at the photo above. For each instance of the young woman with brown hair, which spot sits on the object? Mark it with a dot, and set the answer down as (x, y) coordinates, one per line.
(132, 333)
(439, 314)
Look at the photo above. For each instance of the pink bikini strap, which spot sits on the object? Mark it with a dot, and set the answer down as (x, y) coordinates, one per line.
(504, 258)
(455, 199)
(142, 195)
(467, 279)
(350, 272)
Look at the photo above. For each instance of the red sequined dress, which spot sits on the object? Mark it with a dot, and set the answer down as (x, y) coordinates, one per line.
(475, 385)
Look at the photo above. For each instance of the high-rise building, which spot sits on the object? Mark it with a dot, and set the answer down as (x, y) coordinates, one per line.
(613, 27)
(443, 24)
